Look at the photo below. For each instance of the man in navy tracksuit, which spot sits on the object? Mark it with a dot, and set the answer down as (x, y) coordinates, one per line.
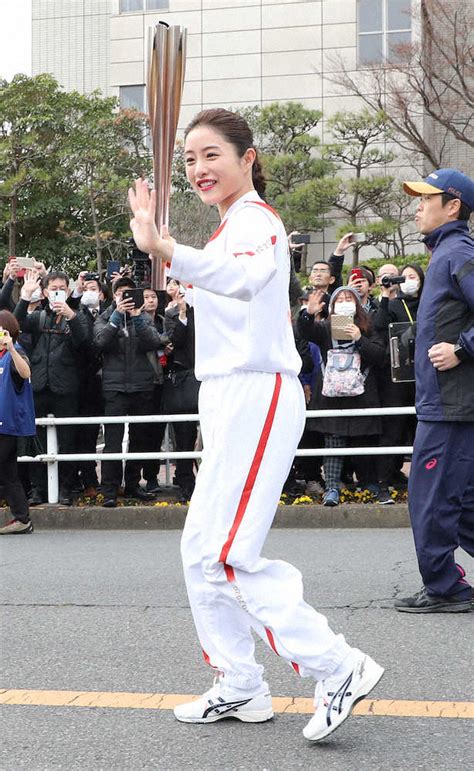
(441, 485)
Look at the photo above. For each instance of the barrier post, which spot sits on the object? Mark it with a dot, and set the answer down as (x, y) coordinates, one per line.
(167, 461)
(53, 465)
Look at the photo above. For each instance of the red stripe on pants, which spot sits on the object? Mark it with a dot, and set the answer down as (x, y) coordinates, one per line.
(252, 476)
(271, 641)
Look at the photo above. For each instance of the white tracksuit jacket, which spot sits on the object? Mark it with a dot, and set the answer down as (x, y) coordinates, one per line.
(252, 414)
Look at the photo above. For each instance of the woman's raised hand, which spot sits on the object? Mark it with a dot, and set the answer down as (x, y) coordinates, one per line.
(315, 302)
(143, 205)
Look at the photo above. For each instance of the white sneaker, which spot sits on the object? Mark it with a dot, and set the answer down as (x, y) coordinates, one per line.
(220, 702)
(336, 696)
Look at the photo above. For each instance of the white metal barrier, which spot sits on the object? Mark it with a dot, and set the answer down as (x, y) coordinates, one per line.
(52, 457)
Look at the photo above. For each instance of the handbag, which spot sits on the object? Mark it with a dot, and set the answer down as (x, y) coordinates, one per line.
(342, 374)
(180, 392)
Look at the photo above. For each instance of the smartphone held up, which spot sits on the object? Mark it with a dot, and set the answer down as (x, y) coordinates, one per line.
(358, 238)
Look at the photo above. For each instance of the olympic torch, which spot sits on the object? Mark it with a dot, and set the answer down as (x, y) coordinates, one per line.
(165, 80)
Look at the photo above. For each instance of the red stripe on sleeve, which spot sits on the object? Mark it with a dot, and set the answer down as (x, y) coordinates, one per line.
(229, 571)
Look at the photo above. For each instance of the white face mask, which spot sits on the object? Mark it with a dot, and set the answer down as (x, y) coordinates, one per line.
(37, 295)
(90, 299)
(410, 286)
(345, 308)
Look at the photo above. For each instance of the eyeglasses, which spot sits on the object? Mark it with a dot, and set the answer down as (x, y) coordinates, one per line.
(320, 270)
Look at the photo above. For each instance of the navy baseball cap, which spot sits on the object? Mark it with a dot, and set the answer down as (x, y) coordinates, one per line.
(449, 181)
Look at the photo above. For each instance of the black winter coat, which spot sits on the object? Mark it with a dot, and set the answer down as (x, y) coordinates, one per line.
(372, 352)
(57, 348)
(126, 367)
(182, 337)
(393, 311)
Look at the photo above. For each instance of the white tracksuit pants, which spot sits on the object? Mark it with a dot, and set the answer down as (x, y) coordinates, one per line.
(251, 424)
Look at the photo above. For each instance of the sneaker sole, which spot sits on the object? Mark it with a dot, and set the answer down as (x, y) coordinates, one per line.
(460, 607)
(361, 693)
(255, 716)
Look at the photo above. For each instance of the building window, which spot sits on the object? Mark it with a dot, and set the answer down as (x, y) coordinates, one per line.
(132, 97)
(132, 6)
(384, 27)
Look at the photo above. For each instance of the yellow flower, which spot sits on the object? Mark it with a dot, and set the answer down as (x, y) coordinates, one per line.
(302, 499)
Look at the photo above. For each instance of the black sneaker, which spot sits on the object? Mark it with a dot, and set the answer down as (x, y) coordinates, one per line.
(152, 486)
(110, 502)
(36, 497)
(384, 497)
(65, 498)
(138, 492)
(422, 602)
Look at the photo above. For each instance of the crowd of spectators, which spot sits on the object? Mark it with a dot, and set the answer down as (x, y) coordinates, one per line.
(105, 347)
(367, 334)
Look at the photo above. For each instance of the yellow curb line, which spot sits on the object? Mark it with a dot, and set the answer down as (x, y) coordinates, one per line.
(281, 704)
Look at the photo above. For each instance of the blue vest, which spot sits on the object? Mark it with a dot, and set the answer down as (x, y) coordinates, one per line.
(17, 410)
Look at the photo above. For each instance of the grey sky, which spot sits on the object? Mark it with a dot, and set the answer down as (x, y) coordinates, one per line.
(15, 37)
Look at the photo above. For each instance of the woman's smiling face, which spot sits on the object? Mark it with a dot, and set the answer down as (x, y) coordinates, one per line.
(214, 168)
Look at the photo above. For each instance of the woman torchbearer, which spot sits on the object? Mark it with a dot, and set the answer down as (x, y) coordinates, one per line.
(252, 414)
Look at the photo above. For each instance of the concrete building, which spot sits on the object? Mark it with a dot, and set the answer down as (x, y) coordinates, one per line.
(240, 52)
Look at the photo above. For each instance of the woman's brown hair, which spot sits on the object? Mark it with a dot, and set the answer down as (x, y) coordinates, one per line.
(9, 322)
(237, 132)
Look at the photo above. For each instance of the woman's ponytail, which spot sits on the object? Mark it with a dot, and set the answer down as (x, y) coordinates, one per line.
(258, 177)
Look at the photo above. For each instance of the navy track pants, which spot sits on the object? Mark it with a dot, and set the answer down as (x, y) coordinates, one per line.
(441, 503)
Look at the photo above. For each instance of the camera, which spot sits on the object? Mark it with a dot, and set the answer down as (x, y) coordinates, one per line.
(141, 263)
(301, 238)
(387, 281)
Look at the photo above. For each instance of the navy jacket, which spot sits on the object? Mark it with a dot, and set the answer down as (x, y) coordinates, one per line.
(446, 315)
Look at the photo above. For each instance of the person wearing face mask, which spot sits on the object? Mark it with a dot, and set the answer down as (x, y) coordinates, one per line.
(399, 430)
(88, 299)
(13, 276)
(404, 307)
(125, 335)
(60, 336)
(341, 431)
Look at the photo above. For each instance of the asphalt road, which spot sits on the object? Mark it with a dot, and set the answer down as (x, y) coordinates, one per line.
(107, 611)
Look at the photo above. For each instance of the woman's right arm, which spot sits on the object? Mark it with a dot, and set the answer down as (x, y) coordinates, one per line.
(240, 271)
